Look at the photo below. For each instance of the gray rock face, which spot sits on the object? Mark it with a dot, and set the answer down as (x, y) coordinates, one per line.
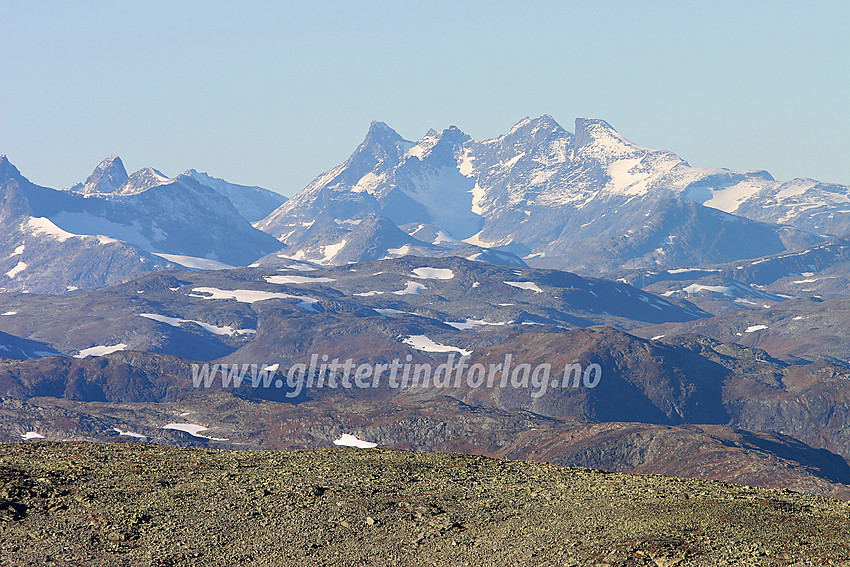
(142, 180)
(254, 203)
(107, 177)
(545, 194)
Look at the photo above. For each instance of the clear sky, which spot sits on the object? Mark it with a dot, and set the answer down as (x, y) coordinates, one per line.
(274, 93)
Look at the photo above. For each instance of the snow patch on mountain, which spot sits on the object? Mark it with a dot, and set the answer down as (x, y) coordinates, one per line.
(331, 250)
(42, 226)
(129, 433)
(423, 343)
(696, 288)
(193, 262)
(348, 440)
(412, 288)
(253, 296)
(433, 273)
(100, 350)
(19, 267)
(192, 429)
(531, 286)
(470, 324)
(298, 279)
(86, 224)
(214, 329)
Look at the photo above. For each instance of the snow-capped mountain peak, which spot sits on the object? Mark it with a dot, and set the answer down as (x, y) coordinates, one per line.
(536, 129)
(380, 142)
(108, 176)
(441, 146)
(542, 191)
(142, 180)
(598, 134)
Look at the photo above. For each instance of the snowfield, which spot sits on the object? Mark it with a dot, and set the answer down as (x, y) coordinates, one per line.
(129, 433)
(347, 440)
(721, 289)
(298, 279)
(472, 323)
(388, 312)
(176, 322)
(100, 350)
(192, 429)
(433, 273)
(531, 286)
(19, 267)
(423, 343)
(253, 295)
(194, 262)
(42, 226)
(331, 250)
(412, 288)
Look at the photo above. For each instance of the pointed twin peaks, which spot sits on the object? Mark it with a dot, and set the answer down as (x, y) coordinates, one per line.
(531, 126)
(110, 176)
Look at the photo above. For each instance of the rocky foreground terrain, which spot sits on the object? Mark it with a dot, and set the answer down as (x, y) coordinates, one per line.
(141, 504)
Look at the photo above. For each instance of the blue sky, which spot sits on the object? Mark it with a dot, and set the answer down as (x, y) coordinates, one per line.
(274, 93)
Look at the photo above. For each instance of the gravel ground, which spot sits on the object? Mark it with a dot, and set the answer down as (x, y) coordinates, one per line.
(140, 504)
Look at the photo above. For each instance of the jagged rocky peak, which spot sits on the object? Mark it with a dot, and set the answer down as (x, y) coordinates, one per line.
(533, 136)
(108, 176)
(382, 146)
(454, 134)
(439, 145)
(13, 202)
(598, 133)
(381, 130)
(7, 170)
(542, 126)
(143, 180)
(204, 178)
(380, 135)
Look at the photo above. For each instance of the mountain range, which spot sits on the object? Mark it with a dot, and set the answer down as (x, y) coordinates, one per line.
(588, 201)
(715, 303)
(55, 241)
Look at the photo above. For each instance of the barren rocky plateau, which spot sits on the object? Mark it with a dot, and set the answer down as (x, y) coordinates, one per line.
(69, 503)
